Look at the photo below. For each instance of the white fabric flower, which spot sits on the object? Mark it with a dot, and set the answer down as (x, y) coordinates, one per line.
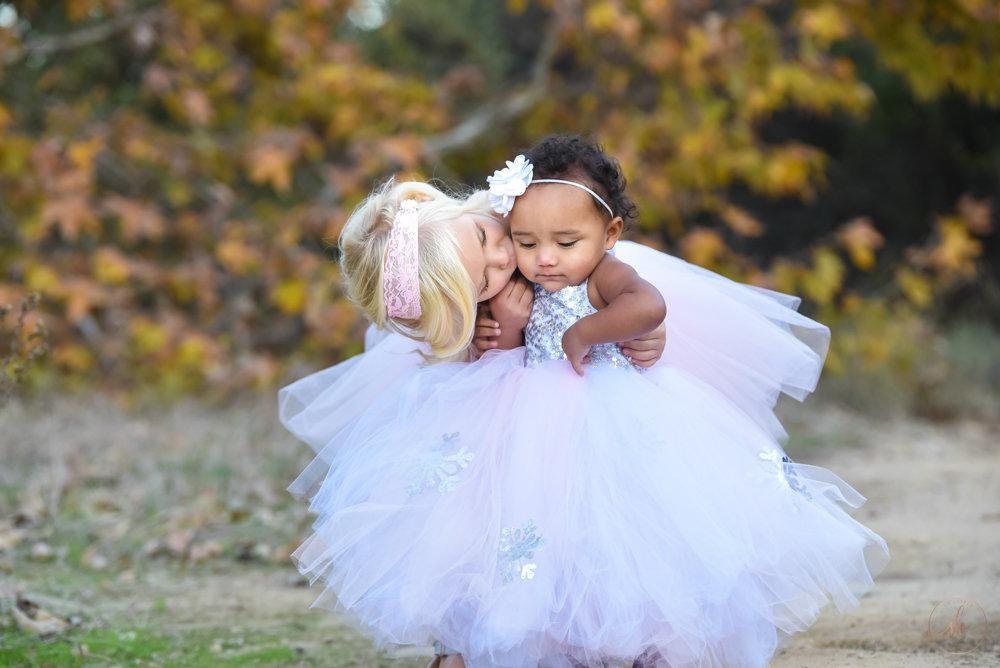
(508, 183)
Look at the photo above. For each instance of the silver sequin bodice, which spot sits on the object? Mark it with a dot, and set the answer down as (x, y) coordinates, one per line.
(551, 315)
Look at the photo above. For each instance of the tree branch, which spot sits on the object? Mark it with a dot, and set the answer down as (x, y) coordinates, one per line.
(500, 111)
(92, 34)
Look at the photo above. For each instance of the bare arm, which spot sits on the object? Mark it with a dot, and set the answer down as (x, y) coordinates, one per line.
(646, 350)
(633, 307)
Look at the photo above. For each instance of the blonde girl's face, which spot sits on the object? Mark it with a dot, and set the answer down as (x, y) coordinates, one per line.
(559, 235)
(487, 253)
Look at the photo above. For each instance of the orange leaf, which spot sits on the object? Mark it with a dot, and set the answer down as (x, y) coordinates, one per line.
(702, 246)
(137, 219)
(272, 164)
(742, 222)
(72, 213)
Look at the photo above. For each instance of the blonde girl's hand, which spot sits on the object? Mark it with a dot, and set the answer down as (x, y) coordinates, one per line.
(487, 332)
(646, 350)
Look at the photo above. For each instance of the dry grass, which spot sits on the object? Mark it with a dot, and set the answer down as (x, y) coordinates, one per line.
(166, 534)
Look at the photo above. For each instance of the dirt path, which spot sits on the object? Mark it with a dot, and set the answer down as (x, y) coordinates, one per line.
(933, 493)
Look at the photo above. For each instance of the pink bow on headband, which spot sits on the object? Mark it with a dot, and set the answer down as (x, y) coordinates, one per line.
(400, 280)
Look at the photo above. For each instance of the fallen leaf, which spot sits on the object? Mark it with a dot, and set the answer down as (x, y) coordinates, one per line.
(34, 620)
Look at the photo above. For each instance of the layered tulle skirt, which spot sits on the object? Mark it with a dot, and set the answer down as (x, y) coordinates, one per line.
(528, 516)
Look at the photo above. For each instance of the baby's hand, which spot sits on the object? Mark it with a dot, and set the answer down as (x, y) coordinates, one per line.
(646, 351)
(511, 307)
(577, 352)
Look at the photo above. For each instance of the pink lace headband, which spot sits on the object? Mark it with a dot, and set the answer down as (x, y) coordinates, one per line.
(400, 280)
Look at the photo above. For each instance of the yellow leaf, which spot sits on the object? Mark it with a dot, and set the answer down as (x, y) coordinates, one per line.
(110, 266)
(82, 153)
(956, 250)
(785, 276)
(602, 16)
(192, 352)
(73, 357)
(290, 295)
(789, 169)
(147, 336)
(861, 239)
(824, 280)
(915, 287)
(15, 151)
(42, 278)
(516, 7)
(825, 22)
(5, 118)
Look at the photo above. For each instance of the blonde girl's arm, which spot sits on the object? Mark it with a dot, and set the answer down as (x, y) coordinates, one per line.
(631, 307)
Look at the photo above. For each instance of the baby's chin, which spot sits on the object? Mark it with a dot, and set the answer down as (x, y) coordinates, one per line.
(553, 283)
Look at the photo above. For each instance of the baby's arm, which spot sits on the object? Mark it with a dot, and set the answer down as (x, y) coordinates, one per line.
(628, 307)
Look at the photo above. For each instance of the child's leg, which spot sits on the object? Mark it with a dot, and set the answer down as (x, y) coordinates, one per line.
(649, 659)
(445, 657)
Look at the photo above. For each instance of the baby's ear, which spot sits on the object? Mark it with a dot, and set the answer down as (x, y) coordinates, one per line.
(613, 231)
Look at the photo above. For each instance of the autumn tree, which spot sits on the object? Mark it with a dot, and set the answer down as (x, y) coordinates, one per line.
(174, 173)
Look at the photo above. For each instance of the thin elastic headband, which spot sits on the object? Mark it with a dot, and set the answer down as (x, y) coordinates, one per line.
(581, 187)
(509, 183)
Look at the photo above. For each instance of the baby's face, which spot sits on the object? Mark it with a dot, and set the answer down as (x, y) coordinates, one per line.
(559, 235)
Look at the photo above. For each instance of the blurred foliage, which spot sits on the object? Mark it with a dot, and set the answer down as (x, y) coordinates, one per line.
(21, 345)
(174, 173)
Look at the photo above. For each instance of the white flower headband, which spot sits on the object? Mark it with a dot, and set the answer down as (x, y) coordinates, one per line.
(509, 183)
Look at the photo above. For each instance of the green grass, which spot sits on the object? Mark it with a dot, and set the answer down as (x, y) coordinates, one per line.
(143, 646)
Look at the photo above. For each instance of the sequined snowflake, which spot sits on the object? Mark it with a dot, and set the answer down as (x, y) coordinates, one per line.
(516, 551)
(441, 468)
(780, 470)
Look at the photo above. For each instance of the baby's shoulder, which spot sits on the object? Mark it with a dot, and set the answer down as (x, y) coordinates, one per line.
(608, 275)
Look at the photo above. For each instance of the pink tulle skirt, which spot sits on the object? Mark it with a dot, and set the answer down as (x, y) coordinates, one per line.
(528, 516)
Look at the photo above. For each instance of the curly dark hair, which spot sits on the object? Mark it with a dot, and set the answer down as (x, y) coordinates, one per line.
(572, 157)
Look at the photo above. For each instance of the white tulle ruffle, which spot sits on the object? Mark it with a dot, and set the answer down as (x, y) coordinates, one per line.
(527, 516)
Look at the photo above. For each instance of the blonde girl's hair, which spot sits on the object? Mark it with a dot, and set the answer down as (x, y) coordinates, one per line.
(447, 295)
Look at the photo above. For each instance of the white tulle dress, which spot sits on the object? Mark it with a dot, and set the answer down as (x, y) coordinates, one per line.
(523, 515)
